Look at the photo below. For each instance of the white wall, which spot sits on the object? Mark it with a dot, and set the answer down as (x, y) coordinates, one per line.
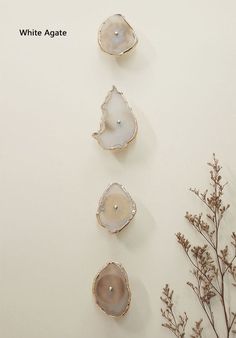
(181, 83)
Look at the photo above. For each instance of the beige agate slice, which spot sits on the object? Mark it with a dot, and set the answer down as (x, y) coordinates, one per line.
(111, 290)
(116, 208)
(116, 36)
(118, 126)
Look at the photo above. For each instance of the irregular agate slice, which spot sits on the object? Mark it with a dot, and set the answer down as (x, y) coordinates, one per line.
(116, 36)
(116, 208)
(111, 290)
(118, 126)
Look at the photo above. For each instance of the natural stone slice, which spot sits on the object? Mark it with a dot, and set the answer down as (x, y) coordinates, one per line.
(116, 36)
(111, 290)
(116, 208)
(118, 126)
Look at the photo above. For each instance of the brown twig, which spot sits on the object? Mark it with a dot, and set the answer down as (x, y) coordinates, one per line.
(210, 263)
(176, 324)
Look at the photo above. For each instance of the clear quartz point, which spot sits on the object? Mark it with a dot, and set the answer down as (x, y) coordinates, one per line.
(116, 36)
(116, 208)
(118, 125)
(111, 290)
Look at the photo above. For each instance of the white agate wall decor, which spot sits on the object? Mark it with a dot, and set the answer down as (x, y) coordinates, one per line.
(111, 290)
(116, 208)
(116, 36)
(118, 125)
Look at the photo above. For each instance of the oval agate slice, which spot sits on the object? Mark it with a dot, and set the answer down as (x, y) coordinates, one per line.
(111, 290)
(116, 36)
(116, 208)
(118, 126)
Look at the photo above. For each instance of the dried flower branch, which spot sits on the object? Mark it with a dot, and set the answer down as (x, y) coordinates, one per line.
(211, 263)
(197, 330)
(174, 323)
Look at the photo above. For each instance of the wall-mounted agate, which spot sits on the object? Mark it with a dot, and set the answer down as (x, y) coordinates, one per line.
(116, 208)
(116, 36)
(111, 290)
(118, 125)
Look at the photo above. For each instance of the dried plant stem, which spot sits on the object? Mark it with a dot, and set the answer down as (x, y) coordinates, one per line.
(211, 263)
(174, 324)
(216, 221)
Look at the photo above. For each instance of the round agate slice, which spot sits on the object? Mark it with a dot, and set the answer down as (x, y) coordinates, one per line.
(118, 126)
(116, 36)
(116, 208)
(111, 290)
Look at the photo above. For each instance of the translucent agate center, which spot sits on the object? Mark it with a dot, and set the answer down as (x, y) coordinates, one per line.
(111, 290)
(118, 125)
(116, 208)
(116, 36)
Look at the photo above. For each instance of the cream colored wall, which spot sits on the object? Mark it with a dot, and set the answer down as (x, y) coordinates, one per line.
(181, 83)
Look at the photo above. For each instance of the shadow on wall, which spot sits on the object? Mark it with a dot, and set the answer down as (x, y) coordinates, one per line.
(137, 318)
(140, 230)
(141, 57)
(143, 146)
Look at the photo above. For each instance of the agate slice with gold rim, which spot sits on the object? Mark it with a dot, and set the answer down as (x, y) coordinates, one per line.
(116, 208)
(116, 36)
(118, 125)
(111, 290)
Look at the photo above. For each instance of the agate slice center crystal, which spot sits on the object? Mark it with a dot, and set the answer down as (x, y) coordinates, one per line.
(111, 290)
(116, 36)
(116, 208)
(118, 126)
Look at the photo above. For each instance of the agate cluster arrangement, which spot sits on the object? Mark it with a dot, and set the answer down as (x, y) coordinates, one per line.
(116, 208)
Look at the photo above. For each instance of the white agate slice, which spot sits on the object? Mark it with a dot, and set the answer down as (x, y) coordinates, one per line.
(116, 208)
(116, 36)
(111, 290)
(118, 126)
